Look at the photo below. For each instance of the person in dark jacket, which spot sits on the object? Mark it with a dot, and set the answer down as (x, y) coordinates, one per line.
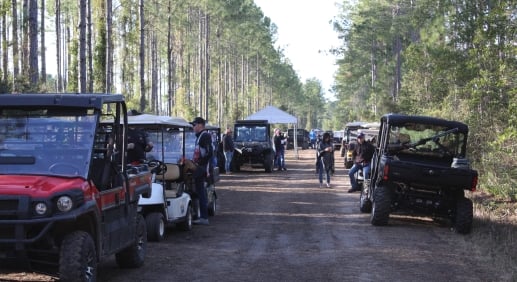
(228, 148)
(324, 158)
(279, 142)
(362, 156)
(203, 152)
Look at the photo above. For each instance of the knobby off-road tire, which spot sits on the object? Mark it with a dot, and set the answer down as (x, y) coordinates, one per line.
(187, 224)
(365, 204)
(212, 207)
(269, 162)
(464, 214)
(380, 206)
(78, 258)
(134, 255)
(155, 227)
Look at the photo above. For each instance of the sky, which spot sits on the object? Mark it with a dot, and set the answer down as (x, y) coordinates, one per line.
(306, 34)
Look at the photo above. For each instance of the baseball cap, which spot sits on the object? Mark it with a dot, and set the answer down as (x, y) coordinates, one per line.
(361, 135)
(198, 120)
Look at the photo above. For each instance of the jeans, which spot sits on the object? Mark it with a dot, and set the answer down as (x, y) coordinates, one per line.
(321, 168)
(228, 155)
(280, 160)
(354, 169)
(199, 180)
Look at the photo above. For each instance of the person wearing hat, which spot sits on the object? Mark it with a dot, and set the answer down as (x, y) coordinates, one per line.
(362, 156)
(203, 152)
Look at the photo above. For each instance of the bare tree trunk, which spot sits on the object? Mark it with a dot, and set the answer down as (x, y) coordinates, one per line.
(207, 64)
(58, 46)
(154, 74)
(43, 76)
(33, 42)
(200, 61)
(5, 54)
(89, 46)
(25, 38)
(142, 56)
(170, 63)
(16, 55)
(109, 46)
(82, 46)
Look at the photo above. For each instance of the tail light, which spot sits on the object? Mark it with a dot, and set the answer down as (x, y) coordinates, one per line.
(474, 183)
(386, 171)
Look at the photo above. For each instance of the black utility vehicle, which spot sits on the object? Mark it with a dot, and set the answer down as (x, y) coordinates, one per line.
(420, 167)
(67, 195)
(253, 145)
(302, 138)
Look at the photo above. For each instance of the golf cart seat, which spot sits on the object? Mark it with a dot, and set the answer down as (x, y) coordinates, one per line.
(173, 173)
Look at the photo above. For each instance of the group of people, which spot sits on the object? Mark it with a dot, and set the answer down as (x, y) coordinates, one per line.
(362, 156)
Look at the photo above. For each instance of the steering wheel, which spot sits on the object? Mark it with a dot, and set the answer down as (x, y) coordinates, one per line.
(64, 168)
(157, 166)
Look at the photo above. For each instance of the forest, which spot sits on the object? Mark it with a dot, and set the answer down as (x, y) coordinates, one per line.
(455, 59)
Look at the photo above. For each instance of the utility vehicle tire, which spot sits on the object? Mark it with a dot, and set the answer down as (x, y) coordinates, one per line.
(212, 207)
(464, 214)
(365, 204)
(268, 162)
(155, 227)
(187, 224)
(134, 255)
(380, 206)
(78, 258)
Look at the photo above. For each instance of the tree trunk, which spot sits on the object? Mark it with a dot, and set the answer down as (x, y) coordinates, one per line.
(5, 49)
(16, 58)
(109, 46)
(207, 64)
(82, 46)
(142, 57)
(58, 46)
(43, 73)
(25, 38)
(90, 76)
(33, 42)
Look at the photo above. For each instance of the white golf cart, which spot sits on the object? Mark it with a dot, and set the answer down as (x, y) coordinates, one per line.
(169, 203)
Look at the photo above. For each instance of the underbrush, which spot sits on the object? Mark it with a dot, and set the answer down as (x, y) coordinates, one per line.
(494, 233)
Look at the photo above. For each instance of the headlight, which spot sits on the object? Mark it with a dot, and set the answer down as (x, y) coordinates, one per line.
(40, 208)
(64, 203)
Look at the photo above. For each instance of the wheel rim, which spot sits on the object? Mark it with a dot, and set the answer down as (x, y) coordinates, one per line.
(162, 227)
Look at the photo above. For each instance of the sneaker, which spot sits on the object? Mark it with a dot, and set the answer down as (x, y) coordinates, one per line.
(200, 221)
(328, 185)
(321, 185)
(284, 168)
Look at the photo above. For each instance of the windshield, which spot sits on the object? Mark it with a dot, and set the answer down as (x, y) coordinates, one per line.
(248, 133)
(427, 140)
(171, 149)
(46, 142)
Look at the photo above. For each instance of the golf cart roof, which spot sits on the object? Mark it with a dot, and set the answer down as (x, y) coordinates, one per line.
(148, 119)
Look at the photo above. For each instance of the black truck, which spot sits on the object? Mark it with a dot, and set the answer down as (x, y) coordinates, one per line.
(420, 167)
(253, 145)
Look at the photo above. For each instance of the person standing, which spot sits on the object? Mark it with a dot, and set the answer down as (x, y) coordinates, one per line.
(228, 148)
(362, 156)
(325, 151)
(203, 152)
(138, 143)
(279, 142)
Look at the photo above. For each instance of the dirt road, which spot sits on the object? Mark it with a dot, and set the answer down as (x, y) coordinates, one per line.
(281, 226)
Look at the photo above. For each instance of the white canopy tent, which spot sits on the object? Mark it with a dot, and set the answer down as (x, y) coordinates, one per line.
(275, 115)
